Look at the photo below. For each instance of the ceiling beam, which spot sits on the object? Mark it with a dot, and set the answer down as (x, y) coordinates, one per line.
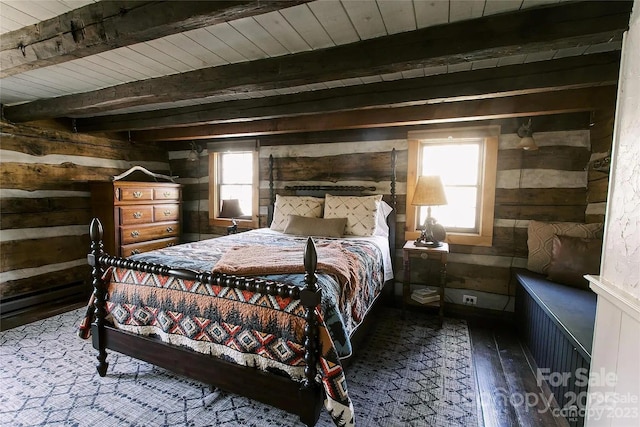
(572, 72)
(565, 101)
(563, 26)
(106, 25)
(548, 123)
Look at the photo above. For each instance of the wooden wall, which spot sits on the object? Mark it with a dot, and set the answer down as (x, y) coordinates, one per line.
(549, 184)
(45, 213)
(602, 122)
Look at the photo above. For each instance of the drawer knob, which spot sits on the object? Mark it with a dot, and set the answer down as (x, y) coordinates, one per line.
(137, 215)
(424, 256)
(135, 251)
(169, 229)
(167, 194)
(167, 213)
(137, 194)
(135, 233)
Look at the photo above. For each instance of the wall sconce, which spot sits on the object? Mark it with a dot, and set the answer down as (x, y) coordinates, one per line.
(602, 164)
(194, 154)
(526, 137)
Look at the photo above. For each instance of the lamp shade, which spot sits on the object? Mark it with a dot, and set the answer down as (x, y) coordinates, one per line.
(527, 143)
(525, 132)
(231, 209)
(429, 192)
(192, 156)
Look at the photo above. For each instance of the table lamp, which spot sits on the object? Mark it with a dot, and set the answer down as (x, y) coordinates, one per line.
(231, 209)
(430, 192)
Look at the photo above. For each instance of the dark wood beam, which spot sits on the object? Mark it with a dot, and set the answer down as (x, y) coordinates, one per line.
(563, 26)
(549, 123)
(106, 25)
(573, 72)
(538, 104)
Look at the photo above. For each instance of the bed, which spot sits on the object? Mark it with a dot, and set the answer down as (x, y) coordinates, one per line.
(271, 314)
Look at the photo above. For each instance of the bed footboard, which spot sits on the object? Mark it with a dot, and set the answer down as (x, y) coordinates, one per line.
(303, 399)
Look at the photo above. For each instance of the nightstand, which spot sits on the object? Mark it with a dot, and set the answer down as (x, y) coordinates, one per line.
(422, 254)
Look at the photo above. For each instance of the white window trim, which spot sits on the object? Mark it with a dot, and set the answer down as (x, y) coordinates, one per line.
(484, 237)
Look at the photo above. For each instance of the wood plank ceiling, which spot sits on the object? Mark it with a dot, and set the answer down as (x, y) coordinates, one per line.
(182, 70)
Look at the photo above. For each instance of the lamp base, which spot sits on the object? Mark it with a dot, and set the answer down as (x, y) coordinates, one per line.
(432, 234)
(427, 243)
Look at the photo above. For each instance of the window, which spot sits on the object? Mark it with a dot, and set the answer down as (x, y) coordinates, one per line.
(461, 183)
(236, 179)
(465, 160)
(234, 175)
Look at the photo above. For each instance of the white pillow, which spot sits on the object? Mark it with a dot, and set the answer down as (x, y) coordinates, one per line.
(310, 207)
(382, 228)
(361, 212)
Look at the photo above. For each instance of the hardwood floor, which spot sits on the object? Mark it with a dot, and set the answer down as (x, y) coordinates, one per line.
(508, 393)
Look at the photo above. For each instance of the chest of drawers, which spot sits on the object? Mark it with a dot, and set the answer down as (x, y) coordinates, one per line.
(137, 216)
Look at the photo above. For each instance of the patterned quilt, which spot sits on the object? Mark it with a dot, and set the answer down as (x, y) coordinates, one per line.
(245, 327)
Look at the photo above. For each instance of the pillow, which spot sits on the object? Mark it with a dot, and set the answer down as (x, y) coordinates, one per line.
(382, 228)
(572, 258)
(360, 212)
(310, 207)
(540, 236)
(325, 227)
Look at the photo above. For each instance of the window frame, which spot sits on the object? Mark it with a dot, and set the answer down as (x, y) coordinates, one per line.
(490, 137)
(214, 196)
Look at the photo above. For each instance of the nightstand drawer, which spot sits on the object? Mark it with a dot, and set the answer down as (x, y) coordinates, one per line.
(438, 256)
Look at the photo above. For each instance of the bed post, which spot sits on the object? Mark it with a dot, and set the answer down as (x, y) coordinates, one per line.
(394, 157)
(394, 205)
(272, 196)
(310, 297)
(99, 291)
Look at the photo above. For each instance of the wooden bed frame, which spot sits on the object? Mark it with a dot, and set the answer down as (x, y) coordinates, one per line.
(304, 399)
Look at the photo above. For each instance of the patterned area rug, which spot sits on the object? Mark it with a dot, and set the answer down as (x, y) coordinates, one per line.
(410, 373)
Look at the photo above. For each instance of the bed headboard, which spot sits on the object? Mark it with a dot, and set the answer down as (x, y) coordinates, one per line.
(348, 190)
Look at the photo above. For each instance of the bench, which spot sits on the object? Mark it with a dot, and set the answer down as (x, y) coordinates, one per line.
(556, 324)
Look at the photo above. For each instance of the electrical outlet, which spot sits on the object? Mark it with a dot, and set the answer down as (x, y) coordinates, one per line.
(469, 300)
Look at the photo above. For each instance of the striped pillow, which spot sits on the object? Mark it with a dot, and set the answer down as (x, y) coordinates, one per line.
(540, 240)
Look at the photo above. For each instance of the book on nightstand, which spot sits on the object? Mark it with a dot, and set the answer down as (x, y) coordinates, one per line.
(425, 295)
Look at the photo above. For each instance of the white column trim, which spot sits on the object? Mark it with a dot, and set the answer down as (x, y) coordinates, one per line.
(618, 297)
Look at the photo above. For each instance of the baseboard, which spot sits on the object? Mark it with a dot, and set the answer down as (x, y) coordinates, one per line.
(32, 314)
(481, 316)
(549, 396)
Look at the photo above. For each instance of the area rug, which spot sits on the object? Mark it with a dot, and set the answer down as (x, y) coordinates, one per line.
(409, 373)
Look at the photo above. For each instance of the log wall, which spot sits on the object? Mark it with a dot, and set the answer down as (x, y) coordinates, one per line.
(549, 184)
(601, 143)
(45, 208)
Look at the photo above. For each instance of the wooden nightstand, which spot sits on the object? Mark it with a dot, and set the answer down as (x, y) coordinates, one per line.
(409, 251)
